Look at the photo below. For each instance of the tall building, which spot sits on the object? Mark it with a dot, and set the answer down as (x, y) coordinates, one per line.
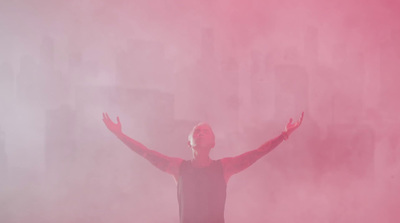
(291, 88)
(389, 61)
(3, 155)
(311, 46)
(60, 142)
(143, 65)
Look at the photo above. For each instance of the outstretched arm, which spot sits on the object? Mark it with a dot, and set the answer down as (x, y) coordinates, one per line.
(233, 165)
(164, 163)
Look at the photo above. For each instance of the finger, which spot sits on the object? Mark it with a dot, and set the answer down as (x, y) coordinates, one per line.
(302, 116)
(105, 119)
(108, 119)
(289, 123)
(118, 120)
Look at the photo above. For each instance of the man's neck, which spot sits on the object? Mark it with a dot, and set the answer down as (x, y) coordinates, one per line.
(200, 159)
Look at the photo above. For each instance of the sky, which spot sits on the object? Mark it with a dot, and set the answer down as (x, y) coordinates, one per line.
(244, 67)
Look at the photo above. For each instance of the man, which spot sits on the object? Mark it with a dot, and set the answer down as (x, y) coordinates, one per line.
(201, 181)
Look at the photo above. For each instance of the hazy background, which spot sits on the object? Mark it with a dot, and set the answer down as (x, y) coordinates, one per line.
(244, 66)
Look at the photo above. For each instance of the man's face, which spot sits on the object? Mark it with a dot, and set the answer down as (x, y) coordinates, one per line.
(202, 136)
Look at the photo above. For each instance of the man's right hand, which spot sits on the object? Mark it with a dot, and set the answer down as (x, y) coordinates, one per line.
(113, 127)
(164, 163)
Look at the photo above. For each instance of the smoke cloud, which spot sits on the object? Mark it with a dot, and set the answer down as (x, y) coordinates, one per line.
(245, 67)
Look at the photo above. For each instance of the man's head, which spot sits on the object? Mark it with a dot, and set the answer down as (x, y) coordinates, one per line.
(201, 137)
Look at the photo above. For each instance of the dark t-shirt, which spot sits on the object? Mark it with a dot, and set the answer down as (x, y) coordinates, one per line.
(201, 193)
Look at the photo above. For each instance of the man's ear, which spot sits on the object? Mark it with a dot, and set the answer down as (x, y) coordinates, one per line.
(188, 142)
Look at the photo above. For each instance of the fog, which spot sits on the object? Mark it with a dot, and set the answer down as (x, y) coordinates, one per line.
(244, 66)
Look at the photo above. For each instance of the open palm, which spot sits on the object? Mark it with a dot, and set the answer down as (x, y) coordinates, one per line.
(113, 127)
(290, 127)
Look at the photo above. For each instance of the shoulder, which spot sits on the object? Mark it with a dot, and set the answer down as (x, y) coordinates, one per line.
(226, 165)
(225, 162)
(174, 166)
